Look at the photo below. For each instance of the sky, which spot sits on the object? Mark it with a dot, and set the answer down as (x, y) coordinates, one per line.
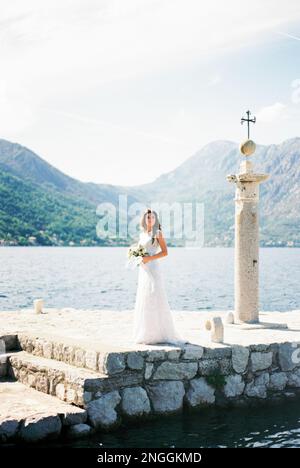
(121, 91)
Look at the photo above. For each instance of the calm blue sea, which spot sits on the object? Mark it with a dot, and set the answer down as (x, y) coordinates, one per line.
(195, 279)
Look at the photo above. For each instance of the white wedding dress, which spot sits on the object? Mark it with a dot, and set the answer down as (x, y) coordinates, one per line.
(153, 322)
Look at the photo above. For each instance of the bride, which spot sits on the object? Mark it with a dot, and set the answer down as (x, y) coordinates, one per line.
(153, 321)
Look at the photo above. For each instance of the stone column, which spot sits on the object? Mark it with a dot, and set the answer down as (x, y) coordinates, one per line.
(246, 275)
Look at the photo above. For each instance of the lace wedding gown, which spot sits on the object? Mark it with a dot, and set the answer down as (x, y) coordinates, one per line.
(153, 322)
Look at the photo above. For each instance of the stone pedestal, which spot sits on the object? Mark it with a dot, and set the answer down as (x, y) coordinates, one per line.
(38, 306)
(247, 242)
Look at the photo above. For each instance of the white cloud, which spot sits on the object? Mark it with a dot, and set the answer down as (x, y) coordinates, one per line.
(273, 113)
(115, 129)
(16, 113)
(290, 36)
(114, 39)
(215, 80)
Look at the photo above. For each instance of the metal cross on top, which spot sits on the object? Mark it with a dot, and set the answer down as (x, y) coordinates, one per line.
(248, 120)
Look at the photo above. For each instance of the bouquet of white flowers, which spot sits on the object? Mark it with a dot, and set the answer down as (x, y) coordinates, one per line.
(135, 255)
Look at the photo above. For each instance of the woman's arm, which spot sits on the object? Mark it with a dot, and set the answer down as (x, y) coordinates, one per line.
(162, 253)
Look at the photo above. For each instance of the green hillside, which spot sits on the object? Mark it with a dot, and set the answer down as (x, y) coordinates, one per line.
(29, 211)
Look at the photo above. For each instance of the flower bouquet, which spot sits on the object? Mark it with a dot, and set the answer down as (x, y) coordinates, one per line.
(135, 255)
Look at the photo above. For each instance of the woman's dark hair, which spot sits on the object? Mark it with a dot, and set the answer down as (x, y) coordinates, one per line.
(156, 226)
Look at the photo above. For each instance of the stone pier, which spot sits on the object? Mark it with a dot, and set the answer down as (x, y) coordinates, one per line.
(70, 373)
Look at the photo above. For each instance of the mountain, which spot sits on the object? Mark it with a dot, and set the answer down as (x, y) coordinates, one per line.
(202, 177)
(25, 164)
(29, 214)
(38, 200)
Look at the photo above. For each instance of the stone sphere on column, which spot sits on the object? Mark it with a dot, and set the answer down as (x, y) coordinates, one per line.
(247, 148)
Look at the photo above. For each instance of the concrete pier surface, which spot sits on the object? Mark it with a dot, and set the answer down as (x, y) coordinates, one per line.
(69, 373)
(111, 330)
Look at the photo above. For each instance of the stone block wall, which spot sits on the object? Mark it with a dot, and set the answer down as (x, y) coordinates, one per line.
(172, 381)
(119, 386)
